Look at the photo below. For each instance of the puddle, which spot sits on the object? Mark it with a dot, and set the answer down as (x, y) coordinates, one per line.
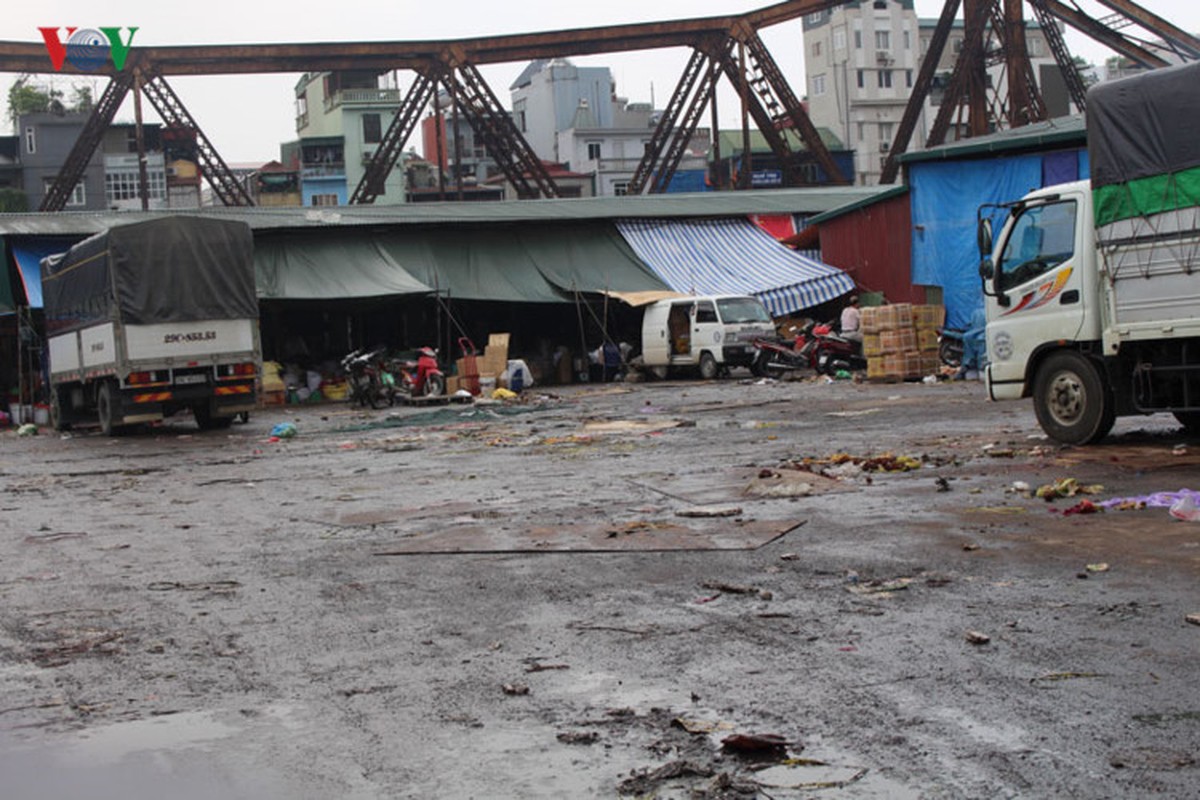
(190, 756)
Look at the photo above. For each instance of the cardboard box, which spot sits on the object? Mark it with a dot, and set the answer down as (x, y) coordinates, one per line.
(897, 340)
(876, 368)
(870, 319)
(927, 340)
(895, 316)
(871, 345)
(928, 316)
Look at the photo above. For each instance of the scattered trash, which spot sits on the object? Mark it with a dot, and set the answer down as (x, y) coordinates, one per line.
(1066, 487)
(757, 745)
(701, 726)
(642, 782)
(1156, 500)
(942, 484)
(1100, 567)
(709, 511)
(975, 637)
(1151, 758)
(1194, 619)
(880, 587)
(970, 546)
(515, 689)
(807, 774)
(28, 429)
(284, 430)
(1020, 486)
(503, 394)
(1066, 676)
(1083, 507)
(579, 737)
(1185, 509)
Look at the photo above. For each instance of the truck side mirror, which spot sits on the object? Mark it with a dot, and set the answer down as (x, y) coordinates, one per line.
(983, 237)
(987, 269)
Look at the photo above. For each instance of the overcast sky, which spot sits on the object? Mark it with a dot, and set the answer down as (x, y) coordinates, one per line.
(247, 117)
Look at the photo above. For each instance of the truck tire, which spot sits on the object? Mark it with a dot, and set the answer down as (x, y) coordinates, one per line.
(1071, 400)
(57, 421)
(106, 408)
(1190, 420)
(708, 366)
(207, 421)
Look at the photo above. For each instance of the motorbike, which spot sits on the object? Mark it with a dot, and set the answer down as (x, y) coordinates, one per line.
(420, 378)
(364, 374)
(950, 347)
(815, 347)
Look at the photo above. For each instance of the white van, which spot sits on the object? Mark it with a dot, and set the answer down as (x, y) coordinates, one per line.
(706, 333)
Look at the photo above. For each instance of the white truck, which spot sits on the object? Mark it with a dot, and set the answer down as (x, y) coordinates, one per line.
(1092, 288)
(708, 334)
(147, 319)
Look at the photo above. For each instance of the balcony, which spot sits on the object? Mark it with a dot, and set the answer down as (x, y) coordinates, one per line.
(326, 169)
(363, 97)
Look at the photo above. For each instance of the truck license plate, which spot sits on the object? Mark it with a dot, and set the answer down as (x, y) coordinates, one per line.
(197, 378)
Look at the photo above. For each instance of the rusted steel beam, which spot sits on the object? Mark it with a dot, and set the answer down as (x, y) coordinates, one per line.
(1024, 100)
(1062, 55)
(667, 122)
(1155, 24)
(89, 139)
(916, 101)
(975, 15)
(1104, 34)
(385, 56)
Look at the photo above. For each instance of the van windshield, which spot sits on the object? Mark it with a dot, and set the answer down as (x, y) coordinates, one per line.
(742, 309)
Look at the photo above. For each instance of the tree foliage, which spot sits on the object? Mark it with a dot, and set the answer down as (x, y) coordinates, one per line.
(13, 201)
(25, 96)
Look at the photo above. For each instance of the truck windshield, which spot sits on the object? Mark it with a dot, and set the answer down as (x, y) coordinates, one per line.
(1042, 238)
(736, 310)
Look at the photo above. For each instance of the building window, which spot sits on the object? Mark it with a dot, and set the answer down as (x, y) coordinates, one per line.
(883, 40)
(621, 188)
(818, 87)
(839, 39)
(372, 129)
(324, 199)
(861, 131)
(908, 40)
(78, 194)
(862, 78)
(124, 185)
(593, 150)
(814, 18)
(885, 131)
(31, 140)
(816, 49)
(908, 78)
(1035, 47)
(858, 40)
(884, 78)
(957, 45)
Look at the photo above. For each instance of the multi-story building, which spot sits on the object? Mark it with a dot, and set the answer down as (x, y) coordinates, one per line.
(340, 120)
(46, 140)
(449, 141)
(547, 95)
(122, 176)
(861, 61)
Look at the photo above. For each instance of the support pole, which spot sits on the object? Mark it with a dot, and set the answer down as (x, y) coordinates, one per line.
(140, 135)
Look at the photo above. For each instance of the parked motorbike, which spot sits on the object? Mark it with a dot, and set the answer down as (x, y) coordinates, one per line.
(815, 347)
(364, 374)
(420, 378)
(950, 347)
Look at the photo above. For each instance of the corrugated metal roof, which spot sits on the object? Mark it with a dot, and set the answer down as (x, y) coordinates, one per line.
(1053, 132)
(703, 204)
(880, 195)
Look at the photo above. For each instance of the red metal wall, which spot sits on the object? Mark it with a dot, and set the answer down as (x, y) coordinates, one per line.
(874, 245)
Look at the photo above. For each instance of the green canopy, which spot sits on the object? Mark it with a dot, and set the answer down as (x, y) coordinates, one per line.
(334, 265)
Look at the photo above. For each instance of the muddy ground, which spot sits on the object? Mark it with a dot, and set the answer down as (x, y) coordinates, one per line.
(504, 601)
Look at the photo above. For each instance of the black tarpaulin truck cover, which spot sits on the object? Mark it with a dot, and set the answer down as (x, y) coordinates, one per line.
(1145, 125)
(171, 269)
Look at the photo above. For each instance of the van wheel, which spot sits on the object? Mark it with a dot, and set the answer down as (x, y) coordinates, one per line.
(1071, 401)
(708, 366)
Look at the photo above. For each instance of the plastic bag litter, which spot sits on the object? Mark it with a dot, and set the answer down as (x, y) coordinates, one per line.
(1185, 508)
(284, 430)
(28, 429)
(503, 394)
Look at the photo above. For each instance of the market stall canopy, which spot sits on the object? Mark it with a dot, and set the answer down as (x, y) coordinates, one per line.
(733, 256)
(327, 267)
(540, 264)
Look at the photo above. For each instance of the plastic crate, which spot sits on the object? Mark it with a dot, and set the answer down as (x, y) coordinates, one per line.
(927, 340)
(897, 315)
(898, 340)
(870, 319)
(928, 316)
(871, 345)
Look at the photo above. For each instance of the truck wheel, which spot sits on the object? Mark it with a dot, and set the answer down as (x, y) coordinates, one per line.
(106, 408)
(207, 421)
(1072, 403)
(708, 366)
(57, 422)
(1190, 420)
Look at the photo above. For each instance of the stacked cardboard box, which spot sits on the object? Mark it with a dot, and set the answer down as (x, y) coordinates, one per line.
(494, 360)
(897, 343)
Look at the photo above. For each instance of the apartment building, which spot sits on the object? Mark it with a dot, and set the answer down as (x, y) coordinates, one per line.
(861, 61)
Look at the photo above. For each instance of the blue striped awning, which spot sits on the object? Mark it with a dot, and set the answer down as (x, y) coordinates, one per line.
(733, 256)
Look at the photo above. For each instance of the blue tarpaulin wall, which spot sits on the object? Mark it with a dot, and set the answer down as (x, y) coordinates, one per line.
(29, 254)
(945, 196)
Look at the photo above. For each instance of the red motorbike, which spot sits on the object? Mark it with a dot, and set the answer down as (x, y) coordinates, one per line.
(420, 378)
(815, 347)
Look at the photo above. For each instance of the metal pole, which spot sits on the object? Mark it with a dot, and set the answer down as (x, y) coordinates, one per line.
(143, 176)
(713, 68)
(744, 90)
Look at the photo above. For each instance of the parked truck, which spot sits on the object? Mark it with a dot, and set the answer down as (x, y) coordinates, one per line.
(151, 318)
(1092, 288)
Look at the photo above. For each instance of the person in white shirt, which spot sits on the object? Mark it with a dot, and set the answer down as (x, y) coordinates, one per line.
(852, 320)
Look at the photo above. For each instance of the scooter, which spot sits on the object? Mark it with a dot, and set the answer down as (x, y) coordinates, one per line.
(950, 347)
(364, 374)
(420, 378)
(776, 356)
(831, 353)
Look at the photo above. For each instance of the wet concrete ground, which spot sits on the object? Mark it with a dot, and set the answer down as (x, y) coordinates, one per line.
(504, 602)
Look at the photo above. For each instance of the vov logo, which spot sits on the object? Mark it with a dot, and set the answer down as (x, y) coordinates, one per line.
(88, 49)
